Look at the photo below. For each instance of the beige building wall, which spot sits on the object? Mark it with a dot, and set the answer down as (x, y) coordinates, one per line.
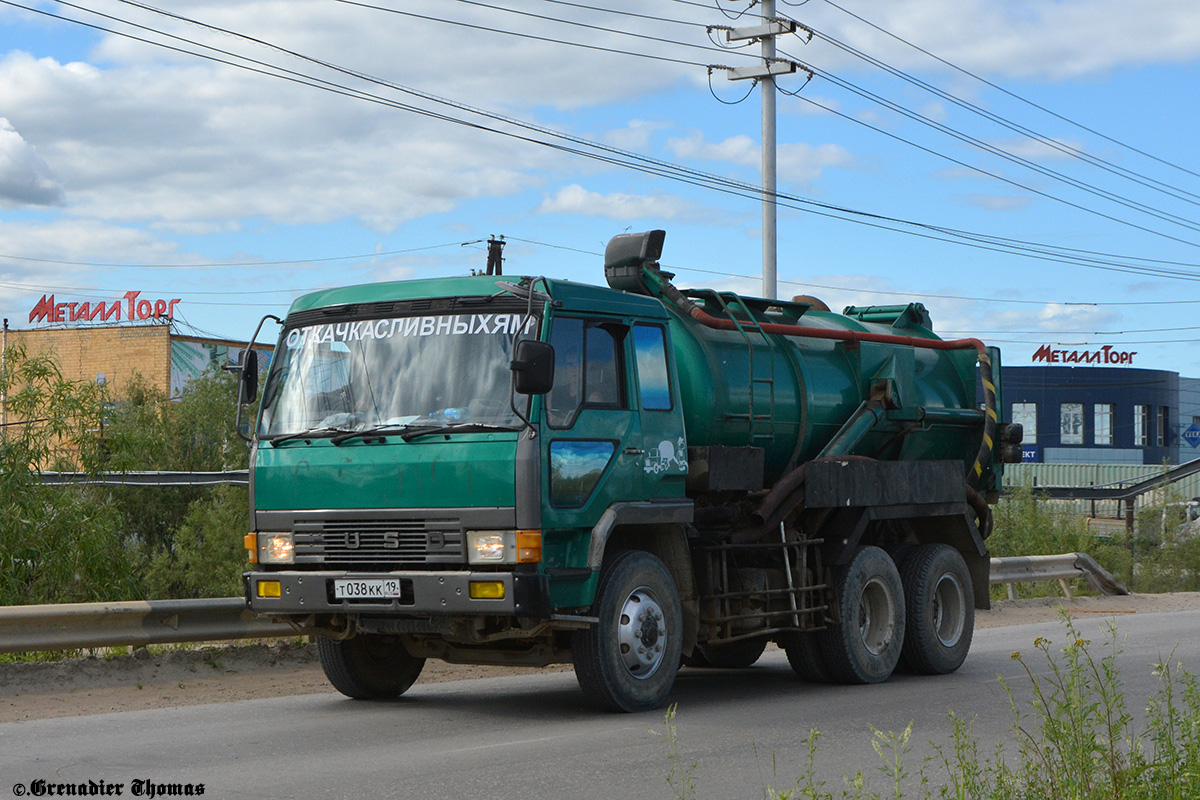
(118, 352)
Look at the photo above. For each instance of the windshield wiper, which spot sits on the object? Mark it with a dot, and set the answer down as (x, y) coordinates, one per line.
(287, 437)
(376, 431)
(456, 427)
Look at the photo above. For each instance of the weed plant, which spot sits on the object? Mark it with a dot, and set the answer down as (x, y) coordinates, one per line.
(1164, 556)
(1074, 738)
(1027, 525)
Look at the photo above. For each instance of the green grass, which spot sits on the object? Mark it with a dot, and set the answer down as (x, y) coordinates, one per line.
(1073, 738)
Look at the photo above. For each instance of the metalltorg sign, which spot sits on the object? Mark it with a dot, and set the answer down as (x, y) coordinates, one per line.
(49, 311)
(1105, 355)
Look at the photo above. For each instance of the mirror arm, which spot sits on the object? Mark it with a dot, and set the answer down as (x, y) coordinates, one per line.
(240, 369)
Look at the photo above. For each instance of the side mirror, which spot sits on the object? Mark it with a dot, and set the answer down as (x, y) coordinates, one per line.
(533, 366)
(248, 377)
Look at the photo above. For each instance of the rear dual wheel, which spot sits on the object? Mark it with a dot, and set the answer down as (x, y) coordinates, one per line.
(940, 607)
(865, 646)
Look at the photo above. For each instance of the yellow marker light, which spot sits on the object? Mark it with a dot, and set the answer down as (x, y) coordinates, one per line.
(269, 589)
(529, 547)
(250, 542)
(486, 590)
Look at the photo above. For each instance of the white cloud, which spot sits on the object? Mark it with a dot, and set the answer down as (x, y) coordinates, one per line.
(25, 179)
(575, 199)
(636, 135)
(797, 162)
(1036, 150)
(1028, 39)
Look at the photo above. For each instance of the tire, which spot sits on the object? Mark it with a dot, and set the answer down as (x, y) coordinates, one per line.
(940, 605)
(804, 654)
(628, 660)
(738, 655)
(369, 666)
(866, 645)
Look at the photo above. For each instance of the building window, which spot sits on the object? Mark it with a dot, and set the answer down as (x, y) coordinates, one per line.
(1102, 418)
(1071, 417)
(1141, 426)
(1161, 433)
(1025, 415)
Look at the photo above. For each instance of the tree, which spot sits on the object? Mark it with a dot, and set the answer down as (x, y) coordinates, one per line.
(57, 544)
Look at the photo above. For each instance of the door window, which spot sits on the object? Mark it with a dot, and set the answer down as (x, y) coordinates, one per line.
(588, 370)
(654, 383)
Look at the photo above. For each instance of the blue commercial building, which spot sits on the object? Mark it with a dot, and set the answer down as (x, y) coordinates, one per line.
(1103, 415)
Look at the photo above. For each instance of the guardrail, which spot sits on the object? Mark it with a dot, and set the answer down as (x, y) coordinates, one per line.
(229, 477)
(1017, 569)
(71, 626)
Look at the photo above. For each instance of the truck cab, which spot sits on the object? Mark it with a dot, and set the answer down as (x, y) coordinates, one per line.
(402, 488)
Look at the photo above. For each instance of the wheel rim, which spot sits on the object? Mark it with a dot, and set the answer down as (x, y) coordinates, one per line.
(949, 603)
(876, 616)
(641, 633)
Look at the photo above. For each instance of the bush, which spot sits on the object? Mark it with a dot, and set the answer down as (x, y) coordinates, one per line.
(57, 544)
(206, 557)
(1027, 525)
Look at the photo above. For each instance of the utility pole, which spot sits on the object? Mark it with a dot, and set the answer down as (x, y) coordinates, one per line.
(765, 74)
(495, 256)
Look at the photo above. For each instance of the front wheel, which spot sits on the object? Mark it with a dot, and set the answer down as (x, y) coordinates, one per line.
(369, 666)
(865, 645)
(628, 660)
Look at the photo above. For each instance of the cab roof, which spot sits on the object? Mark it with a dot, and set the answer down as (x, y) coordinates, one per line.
(568, 295)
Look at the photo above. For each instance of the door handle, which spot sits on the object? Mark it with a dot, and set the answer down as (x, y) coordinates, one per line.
(633, 451)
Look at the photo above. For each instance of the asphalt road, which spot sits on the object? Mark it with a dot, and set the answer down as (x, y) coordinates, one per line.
(529, 737)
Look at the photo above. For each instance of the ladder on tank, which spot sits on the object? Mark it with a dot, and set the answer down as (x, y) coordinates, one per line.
(746, 326)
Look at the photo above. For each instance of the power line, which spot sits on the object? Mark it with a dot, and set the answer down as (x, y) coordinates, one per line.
(1080, 333)
(80, 289)
(1165, 216)
(535, 37)
(602, 29)
(859, 289)
(615, 156)
(1062, 147)
(1004, 154)
(983, 171)
(1013, 95)
(211, 264)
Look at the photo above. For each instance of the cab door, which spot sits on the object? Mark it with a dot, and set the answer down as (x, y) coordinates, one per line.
(592, 441)
(665, 462)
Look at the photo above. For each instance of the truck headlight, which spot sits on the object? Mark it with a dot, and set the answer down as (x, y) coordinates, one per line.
(276, 548)
(491, 547)
(504, 547)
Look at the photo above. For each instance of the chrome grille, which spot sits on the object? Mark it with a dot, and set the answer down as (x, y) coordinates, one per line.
(379, 543)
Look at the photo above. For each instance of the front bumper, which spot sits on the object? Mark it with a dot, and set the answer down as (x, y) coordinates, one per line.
(441, 593)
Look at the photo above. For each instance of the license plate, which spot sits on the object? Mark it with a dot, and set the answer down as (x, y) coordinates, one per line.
(382, 588)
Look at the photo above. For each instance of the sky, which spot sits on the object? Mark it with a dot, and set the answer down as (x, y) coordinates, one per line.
(1027, 169)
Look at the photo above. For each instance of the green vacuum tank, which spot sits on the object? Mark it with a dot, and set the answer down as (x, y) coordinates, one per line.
(802, 382)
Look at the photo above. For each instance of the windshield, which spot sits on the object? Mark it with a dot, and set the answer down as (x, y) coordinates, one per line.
(439, 370)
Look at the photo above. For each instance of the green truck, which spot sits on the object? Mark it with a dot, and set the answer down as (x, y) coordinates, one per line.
(525, 471)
